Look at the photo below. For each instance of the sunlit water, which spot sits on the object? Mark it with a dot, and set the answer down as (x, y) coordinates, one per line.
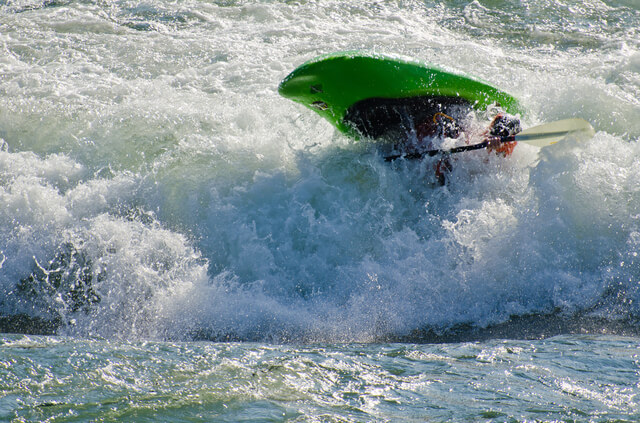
(154, 186)
(573, 378)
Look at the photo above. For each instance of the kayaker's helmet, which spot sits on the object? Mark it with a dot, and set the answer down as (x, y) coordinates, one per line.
(504, 125)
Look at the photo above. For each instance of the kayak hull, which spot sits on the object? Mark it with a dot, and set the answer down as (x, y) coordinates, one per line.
(365, 94)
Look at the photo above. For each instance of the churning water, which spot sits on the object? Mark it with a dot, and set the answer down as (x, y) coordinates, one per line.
(153, 185)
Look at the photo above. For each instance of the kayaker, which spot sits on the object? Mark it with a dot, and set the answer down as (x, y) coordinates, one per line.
(502, 125)
(443, 126)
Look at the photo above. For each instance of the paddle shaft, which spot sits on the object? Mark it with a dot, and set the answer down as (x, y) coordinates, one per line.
(460, 149)
(509, 138)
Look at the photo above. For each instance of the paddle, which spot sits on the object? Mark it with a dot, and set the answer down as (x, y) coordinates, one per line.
(540, 136)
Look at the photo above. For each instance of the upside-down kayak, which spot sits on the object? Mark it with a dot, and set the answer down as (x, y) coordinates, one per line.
(370, 94)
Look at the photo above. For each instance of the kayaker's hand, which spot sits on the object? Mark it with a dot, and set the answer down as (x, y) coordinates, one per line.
(493, 143)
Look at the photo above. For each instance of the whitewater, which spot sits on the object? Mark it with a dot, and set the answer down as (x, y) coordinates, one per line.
(159, 198)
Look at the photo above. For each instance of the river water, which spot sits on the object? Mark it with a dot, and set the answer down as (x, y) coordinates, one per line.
(180, 243)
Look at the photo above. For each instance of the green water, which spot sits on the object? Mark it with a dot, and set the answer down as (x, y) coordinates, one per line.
(575, 378)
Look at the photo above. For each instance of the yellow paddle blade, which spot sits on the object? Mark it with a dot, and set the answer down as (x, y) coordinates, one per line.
(551, 133)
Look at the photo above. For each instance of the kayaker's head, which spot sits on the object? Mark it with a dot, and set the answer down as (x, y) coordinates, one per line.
(504, 125)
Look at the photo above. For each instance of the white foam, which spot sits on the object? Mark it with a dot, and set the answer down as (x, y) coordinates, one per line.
(152, 140)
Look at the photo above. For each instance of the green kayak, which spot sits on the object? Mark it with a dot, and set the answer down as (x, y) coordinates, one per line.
(371, 94)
